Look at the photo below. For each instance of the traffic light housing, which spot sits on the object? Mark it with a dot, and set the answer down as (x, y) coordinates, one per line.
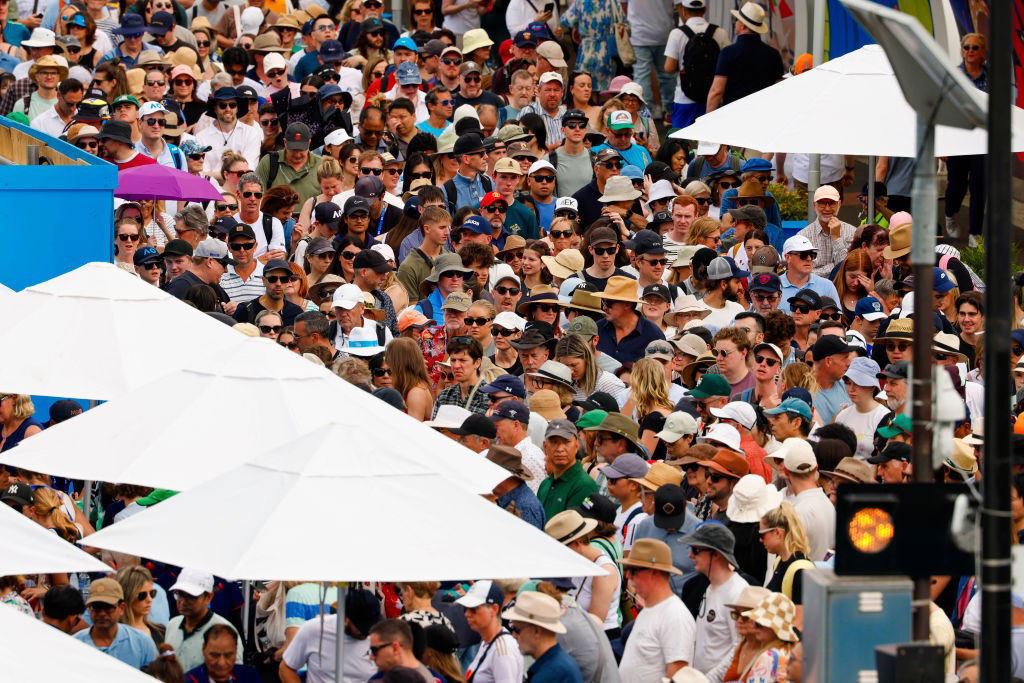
(898, 529)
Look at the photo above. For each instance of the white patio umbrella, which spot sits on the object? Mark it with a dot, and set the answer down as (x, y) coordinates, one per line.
(193, 424)
(849, 105)
(312, 510)
(97, 332)
(5, 290)
(31, 549)
(33, 651)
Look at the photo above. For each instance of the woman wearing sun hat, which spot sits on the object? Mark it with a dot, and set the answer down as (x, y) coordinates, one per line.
(731, 668)
(773, 629)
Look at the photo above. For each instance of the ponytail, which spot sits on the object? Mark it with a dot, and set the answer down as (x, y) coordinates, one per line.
(794, 535)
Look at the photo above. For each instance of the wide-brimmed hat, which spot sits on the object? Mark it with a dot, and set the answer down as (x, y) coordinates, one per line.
(329, 279)
(584, 300)
(619, 424)
(510, 459)
(546, 404)
(619, 189)
(620, 288)
(49, 62)
(553, 371)
(569, 525)
(688, 303)
(852, 470)
(538, 295)
(474, 39)
(749, 598)
(690, 344)
(901, 329)
(776, 612)
(899, 241)
(534, 334)
(715, 536)
(689, 371)
(962, 458)
(649, 553)
(85, 132)
(752, 499)
(445, 263)
(752, 16)
(566, 263)
(538, 609)
(944, 342)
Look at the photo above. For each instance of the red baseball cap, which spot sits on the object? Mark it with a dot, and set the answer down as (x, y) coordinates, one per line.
(492, 197)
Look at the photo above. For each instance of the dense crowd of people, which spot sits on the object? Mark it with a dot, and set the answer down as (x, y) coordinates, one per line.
(484, 222)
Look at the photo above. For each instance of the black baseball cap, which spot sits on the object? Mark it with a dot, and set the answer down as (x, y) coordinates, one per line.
(657, 289)
(898, 370)
(829, 345)
(374, 260)
(660, 218)
(669, 507)
(276, 264)
(807, 296)
(574, 115)
(327, 213)
(468, 143)
(894, 450)
(296, 136)
(354, 204)
(18, 493)
(596, 506)
(512, 410)
(177, 247)
(646, 242)
(477, 425)
(237, 229)
(599, 400)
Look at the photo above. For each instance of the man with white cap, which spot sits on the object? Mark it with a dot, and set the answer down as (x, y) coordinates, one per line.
(691, 15)
(535, 621)
(498, 660)
(740, 416)
(192, 593)
(348, 304)
(541, 179)
(800, 255)
(813, 507)
(864, 416)
(829, 236)
(549, 106)
(152, 123)
(749, 64)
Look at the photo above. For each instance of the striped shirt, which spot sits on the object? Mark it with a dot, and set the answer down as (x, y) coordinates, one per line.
(552, 123)
(241, 291)
(830, 251)
(302, 603)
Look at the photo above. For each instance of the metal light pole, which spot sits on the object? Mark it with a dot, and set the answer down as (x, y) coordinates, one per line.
(995, 510)
(818, 55)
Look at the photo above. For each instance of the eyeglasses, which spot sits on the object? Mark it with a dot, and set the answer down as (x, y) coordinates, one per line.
(495, 208)
(543, 178)
(374, 649)
(800, 308)
(270, 329)
(153, 121)
(513, 255)
(478, 322)
(656, 261)
(227, 105)
(765, 298)
(770, 362)
(560, 234)
(276, 72)
(283, 279)
(471, 79)
(242, 246)
(157, 83)
(226, 207)
(575, 125)
(249, 193)
(897, 346)
(358, 216)
(611, 164)
(451, 61)
(365, 170)
(349, 255)
(805, 255)
(605, 251)
(546, 308)
(125, 237)
(291, 346)
(722, 353)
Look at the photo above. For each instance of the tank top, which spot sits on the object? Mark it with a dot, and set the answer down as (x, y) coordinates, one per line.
(18, 434)
(611, 619)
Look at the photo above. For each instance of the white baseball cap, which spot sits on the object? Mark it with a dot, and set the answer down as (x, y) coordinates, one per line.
(723, 434)
(503, 271)
(509, 321)
(567, 204)
(677, 425)
(274, 61)
(740, 411)
(448, 417)
(549, 76)
(193, 581)
(540, 165)
(347, 296)
(384, 250)
(797, 243)
(151, 108)
(797, 455)
(335, 137)
(705, 148)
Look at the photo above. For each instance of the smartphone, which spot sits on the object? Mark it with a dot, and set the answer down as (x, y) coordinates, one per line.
(550, 7)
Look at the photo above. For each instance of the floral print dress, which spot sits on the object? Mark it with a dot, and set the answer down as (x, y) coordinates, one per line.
(593, 19)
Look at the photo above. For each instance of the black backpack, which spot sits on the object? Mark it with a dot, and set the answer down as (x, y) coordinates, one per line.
(700, 56)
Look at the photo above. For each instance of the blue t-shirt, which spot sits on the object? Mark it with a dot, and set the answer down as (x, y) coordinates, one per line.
(634, 155)
(14, 33)
(816, 283)
(829, 401)
(427, 128)
(545, 214)
(554, 666)
(131, 646)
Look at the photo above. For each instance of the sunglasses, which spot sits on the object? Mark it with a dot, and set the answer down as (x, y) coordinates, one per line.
(507, 291)
(376, 34)
(770, 362)
(367, 171)
(691, 467)
(276, 72)
(270, 329)
(471, 79)
(248, 193)
(1017, 350)
(196, 157)
(153, 121)
(227, 105)
(88, 145)
(835, 317)
(561, 234)
(422, 12)
(422, 174)
(971, 48)
(800, 308)
(722, 353)
(766, 178)
(605, 251)
(495, 208)
(73, 50)
(544, 178)
(451, 61)
(447, 376)
(268, 123)
(242, 246)
(725, 185)
(380, 372)
(349, 255)
(764, 298)
(157, 83)
(236, 72)
(240, 171)
(612, 164)
(512, 256)
(500, 331)
(203, 43)
(575, 125)
(291, 346)
(478, 322)
(151, 266)
(125, 237)
(452, 274)
(805, 255)
(897, 346)
(546, 308)
(283, 279)
(656, 261)
(523, 157)
(716, 477)
(226, 207)
(374, 649)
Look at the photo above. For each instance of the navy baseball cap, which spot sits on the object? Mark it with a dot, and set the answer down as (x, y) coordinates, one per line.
(870, 309)
(646, 242)
(509, 384)
(161, 23)
(797, 392)
(476, 224)
(146, 255)
(512, 410)
(766, 282)
(809, 297)
(331, 51)
(525, 39)
(369, 187)
(327, 213)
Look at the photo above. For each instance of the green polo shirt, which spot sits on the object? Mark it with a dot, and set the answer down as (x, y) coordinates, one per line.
(569, 490)
(303, 181)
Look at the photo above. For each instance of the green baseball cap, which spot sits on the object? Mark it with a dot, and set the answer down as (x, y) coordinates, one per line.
(898, 425)
(711, 384)
(591, 419)
(130, 99)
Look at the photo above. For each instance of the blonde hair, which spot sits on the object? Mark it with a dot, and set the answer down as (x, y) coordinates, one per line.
(229, 158)
(47, 509)
(794, 536)
(329, 168)
(799, 375)
(978, 37)
(700, 229)
(23, 406)
(571, 224)
(649, 387)
(486, 305)
(132, 579)
(408, 369)
(573, 346)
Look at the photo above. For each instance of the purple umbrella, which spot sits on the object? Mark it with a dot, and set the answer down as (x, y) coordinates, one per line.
(161, 182)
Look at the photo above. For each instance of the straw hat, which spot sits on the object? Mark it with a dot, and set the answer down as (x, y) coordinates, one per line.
(583, 300)
(512, 242)
(152, 58)
(777, 613)
(546, 404)
(136, 79)
(84, 132)
(704, 361)
(901, 329)
(568, 262)
(620, 288)
(202, 24)
(538, 609)
(569, 525)
(541, 294)
(649, 553)
(660, 474)
(962, 458)
(752, 16)
(49, 62)
(899, 241)
(945, 342)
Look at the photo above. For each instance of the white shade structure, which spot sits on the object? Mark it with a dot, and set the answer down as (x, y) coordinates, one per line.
(849, 105)
(97, 332)
(196, 423)
(33, 651)
(307, 512)
(31, 549)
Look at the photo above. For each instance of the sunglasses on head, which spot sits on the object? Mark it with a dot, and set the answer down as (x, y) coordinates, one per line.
(365, 170)
(507, 291)
(283, 279)
(270, 329)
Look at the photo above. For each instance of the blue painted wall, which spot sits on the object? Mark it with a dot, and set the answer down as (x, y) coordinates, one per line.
(55, 218)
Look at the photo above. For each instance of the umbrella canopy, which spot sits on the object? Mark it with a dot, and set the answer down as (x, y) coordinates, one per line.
(97, 332)
(5, 290)
(34, 651)
(162, 182)
(312, 510)
(244, 400)
(31, 549)
(850, 105)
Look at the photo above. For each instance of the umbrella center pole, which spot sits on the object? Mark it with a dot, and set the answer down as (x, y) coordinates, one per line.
(339, 641)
